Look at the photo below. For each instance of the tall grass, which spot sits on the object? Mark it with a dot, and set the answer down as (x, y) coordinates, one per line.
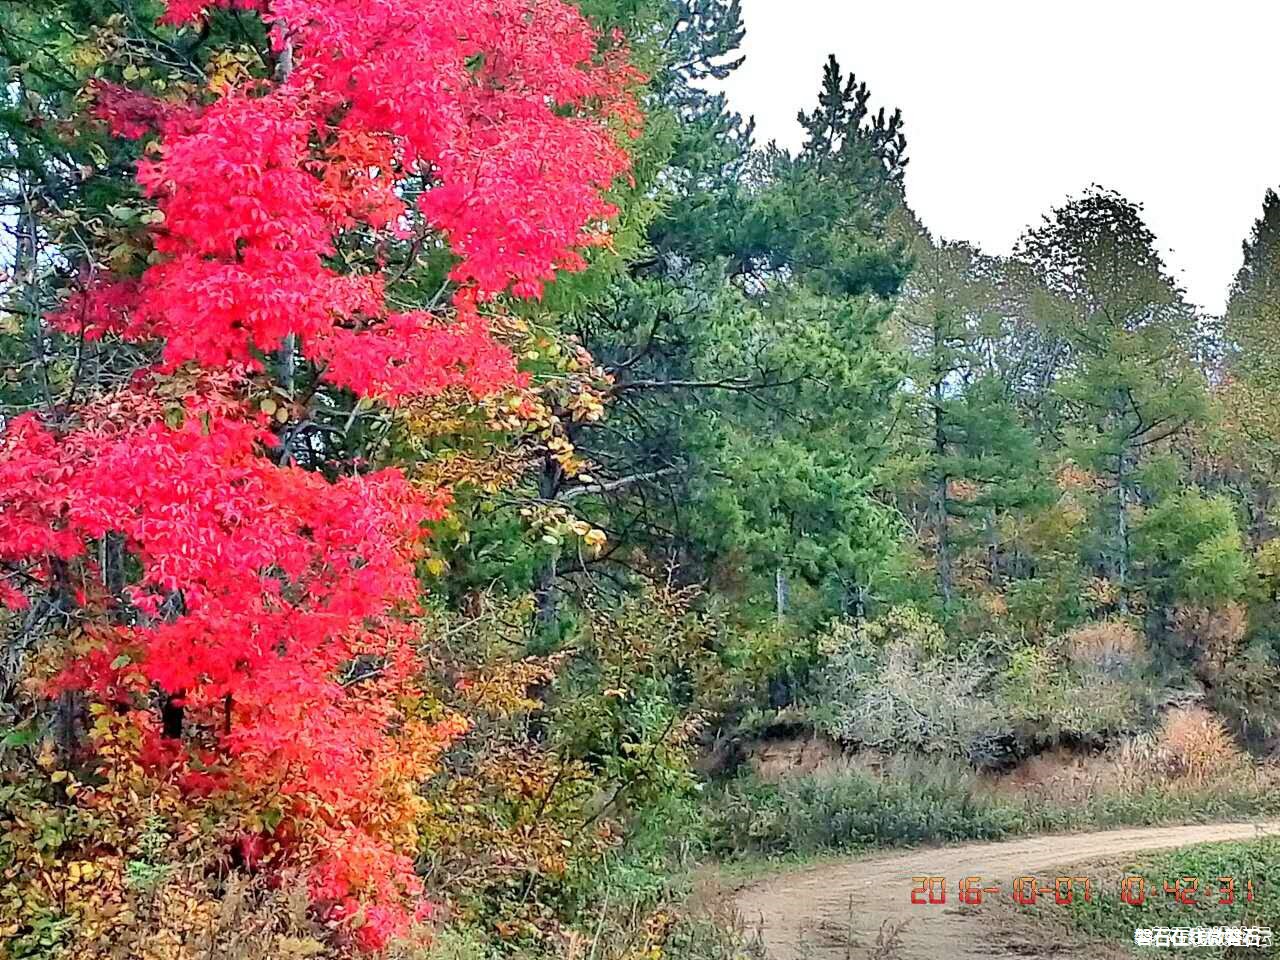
(917, 802)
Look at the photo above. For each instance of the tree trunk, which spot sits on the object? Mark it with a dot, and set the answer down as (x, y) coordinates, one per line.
(940, 497)
(289, 363)
(1122, 530)
(546, 608)
(941, 480)
(289, 349)
(113, 563)
(993, 549)
(781, 593)
(25, 275)
(855, 603)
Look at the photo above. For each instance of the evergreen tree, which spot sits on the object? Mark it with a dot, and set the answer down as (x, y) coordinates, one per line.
(1129, 380)
(977, 458)
(1253, 309)
(1252, 368)
(752, 390)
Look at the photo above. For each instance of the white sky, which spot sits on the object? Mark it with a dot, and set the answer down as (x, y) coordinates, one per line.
(1012, 105)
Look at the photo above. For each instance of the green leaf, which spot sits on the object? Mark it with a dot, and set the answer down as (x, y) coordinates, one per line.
(271, 817)
(19, 737)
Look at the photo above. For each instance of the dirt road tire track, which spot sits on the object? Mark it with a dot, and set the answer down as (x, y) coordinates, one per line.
(807, 914)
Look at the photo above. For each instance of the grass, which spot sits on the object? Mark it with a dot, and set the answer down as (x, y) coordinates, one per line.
(853, 810)
(1107, 917)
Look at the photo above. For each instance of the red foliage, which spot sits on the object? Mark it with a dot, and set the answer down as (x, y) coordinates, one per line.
(498, 108)
(178, 12)
(130, 114)
(268, 602)
(99, 308)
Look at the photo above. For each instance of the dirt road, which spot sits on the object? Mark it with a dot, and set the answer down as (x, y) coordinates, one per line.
(836, 910)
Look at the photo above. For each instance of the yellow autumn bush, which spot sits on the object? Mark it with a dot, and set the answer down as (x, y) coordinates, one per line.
(1194, 743)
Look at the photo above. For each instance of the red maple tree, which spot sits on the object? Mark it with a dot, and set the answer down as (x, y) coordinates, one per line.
(267, 607)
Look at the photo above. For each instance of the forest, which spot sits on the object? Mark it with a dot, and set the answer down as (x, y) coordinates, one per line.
(462, 495)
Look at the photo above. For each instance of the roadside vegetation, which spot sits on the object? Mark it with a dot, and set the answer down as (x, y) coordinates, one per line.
(1184, 888)
(914, 803)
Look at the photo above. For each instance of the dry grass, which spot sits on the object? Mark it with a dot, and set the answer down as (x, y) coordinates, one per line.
(1192, 749)
(184, 918)
(888, 945)
(1059, 774)
(1107, 645)
(1195, 743)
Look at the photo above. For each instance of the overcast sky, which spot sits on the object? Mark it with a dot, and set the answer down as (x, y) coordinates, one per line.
(1012, 105)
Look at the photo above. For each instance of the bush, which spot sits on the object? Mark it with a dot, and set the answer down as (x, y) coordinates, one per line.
(854, 809)
(701, 928)
(1195, 744)
(1190, 545)
(1047, 701)
(1110, 646)
(453, 943)
(1212, 635)
(886, 686)
(1246, 693)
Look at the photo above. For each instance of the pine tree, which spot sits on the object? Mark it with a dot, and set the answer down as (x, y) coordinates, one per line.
(1128, 379)
(1253, 309)
(1252, 365)
(977, 458)
(753, 391)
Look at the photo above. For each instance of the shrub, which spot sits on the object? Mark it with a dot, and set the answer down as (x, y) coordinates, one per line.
(885, 686)
(454, 942)
(1109, 646)
(1190, 545)
(1196, 744)
(1047, 701)
(1214, 635)
(931, 800)
(852, 809)
(699, 928)
(1246, 693)
(569, 751)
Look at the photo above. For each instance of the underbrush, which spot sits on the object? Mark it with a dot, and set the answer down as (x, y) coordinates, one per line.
(676, 931)
(917, 802)
(898, 684)
(640, 909)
